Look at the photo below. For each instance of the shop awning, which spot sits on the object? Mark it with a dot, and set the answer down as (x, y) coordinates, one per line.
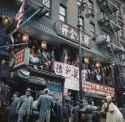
(37, 81)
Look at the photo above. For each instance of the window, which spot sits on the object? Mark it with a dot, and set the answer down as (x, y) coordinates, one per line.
(47, 4)
(62, 13)
(122, 24)
(92, 28)
(79, 2)
(90, 8)
(81, 21)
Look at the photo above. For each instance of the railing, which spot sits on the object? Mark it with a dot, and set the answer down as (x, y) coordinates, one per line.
(111, 18)
(111, 6)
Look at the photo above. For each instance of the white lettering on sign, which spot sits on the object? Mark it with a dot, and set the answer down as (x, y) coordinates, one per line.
(71, 74)
(72, 33)
(67, 31)
(64, 29)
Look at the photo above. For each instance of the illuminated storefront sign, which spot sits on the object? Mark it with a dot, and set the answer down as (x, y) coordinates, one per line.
(71, 74)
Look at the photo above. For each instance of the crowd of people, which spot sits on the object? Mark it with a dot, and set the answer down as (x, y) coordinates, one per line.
(48, 108)
(26, 109)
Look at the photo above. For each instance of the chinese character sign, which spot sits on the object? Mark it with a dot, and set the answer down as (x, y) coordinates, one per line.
(67, 31)
(71, 33)
(20, 57)
(71, 74)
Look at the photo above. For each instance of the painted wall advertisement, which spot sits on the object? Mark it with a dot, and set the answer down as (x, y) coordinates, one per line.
(71, 74)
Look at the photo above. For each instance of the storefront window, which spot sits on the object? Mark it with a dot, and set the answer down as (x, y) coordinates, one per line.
(62, 13)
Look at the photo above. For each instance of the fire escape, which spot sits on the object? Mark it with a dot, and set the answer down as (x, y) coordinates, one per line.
(109, 22)
(107, 17)
(34, 10)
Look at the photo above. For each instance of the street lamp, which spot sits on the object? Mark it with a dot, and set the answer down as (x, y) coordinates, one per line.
(25, 37)
(98, 65)
(80, 9)
(86, 60)
(44, 44)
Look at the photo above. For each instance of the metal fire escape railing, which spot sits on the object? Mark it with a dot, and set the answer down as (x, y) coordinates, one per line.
(109, 22)
(107, 6)
(34, 9)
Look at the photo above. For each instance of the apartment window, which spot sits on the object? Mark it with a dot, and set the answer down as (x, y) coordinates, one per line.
(81, 21)
(122, 24)
(90, 8)
(62, 13)
(92, 28)
(47, 3)
(79, 2)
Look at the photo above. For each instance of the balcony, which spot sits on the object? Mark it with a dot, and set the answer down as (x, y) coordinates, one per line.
(107, 6)
(108, 23)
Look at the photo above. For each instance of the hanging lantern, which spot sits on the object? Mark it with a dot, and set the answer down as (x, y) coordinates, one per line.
(25, 37)
(44, 44)
(98, 64)
(86, 60)
(6, 20)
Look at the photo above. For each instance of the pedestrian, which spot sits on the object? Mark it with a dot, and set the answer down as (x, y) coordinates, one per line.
(45, 102)
(103, 111)
(67, 108)
(113, 114)
(57, 108)
(35, 114)
(12, 109)
(24, 107)
(75, 112)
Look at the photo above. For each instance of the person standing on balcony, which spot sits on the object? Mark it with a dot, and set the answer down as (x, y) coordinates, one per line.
(44, 56)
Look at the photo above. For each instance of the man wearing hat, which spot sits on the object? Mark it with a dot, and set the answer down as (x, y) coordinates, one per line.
(45, 102)
(24, 107)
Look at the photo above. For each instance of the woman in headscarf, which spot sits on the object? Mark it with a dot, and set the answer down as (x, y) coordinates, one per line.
(113, 114)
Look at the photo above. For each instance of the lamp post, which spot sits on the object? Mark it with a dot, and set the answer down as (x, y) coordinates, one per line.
(81, 95)
(80, 9)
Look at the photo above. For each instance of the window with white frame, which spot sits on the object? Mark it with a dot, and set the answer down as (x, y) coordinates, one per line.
(62, 13)
(90, 7)
(79, 2)
(47, 4)
(81, 21)
(92, 28)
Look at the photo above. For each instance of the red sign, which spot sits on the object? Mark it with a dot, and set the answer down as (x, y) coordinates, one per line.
(98, 89)
(20, 57)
